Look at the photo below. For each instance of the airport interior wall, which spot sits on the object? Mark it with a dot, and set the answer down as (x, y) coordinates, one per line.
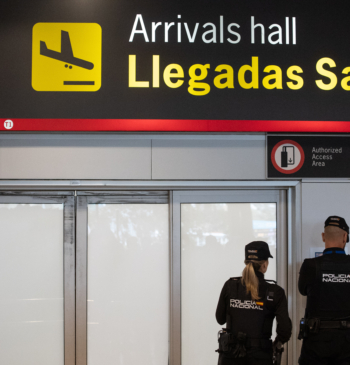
(164, 157)
(146, 157)
(132, 156)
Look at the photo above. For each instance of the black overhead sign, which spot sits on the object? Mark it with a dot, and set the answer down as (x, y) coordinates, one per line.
(200, 65)
(308, 157)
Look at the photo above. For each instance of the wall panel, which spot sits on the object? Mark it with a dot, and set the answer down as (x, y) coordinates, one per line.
(233, 157)
(319, 201)
(74, 157)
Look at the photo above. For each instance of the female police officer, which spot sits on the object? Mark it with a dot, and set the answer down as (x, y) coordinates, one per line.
(248, 306)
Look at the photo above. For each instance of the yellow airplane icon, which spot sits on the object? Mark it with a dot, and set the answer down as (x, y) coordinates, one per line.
(66, 57)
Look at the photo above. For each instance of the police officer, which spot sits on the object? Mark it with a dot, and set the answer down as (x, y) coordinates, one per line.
(326, 282)
(248, 306)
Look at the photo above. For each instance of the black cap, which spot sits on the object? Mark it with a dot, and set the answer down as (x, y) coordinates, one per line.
(336, 221)
(257, 250)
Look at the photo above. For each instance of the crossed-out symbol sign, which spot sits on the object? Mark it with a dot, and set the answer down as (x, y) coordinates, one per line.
(287, 156)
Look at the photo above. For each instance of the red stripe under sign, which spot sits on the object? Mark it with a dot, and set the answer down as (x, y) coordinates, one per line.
(172, 125)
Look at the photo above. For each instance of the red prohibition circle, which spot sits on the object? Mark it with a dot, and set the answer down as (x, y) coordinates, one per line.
(302, 156)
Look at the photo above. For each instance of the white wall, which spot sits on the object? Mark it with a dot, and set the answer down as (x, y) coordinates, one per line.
(319, 201)
(73, 156)
(132, 157)
(212, 158)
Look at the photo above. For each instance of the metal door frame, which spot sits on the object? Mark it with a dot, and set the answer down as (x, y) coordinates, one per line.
(67, 199)
(65, 188)
(94, 197)
(285, 213)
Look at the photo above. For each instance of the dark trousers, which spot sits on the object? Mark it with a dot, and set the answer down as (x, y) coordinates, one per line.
(255, 356)
(328, 347)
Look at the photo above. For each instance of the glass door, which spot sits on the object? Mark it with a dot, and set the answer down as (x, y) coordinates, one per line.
(210, 231)
(123, 278)
(143, 281)
(37, 270)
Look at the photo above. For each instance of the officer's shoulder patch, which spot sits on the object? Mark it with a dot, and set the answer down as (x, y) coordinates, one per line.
(272, 291)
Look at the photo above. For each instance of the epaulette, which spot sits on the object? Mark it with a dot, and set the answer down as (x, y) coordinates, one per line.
(271, 281)
(236, 278)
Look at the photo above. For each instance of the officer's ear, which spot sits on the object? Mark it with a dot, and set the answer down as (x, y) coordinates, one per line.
(345, 237)
(323, 239)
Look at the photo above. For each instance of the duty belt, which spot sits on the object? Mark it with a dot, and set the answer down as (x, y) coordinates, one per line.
(252, 342)
(262, 342)
(335, 324)
(228, 341)
(314, 324)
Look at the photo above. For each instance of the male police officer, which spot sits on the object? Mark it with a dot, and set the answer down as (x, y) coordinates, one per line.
(326, 282)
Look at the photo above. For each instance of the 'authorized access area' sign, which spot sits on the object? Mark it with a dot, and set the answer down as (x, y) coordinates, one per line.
(308, 157)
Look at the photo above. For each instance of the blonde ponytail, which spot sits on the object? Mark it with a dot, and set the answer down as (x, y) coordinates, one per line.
(249, 278)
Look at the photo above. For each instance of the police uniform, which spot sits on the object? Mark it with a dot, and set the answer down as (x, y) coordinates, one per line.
(325, 281)
(254, 319)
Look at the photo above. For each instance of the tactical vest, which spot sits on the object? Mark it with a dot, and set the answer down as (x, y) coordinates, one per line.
(329, 297)
(245, 315)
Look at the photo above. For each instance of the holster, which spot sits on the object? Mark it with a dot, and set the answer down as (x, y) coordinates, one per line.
(225, 341)
(277, 353)
(311, 325)
(235, 345)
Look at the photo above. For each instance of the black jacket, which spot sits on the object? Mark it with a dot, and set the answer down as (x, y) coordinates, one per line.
(258, 321)
(325, 281)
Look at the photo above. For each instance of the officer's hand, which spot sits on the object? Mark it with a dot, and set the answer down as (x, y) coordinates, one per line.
(277, 346)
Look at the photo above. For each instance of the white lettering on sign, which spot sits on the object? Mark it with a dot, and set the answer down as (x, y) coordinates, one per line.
(320, 158)
(216, 33)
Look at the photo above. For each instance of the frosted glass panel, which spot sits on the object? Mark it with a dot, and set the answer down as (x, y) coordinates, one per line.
(31, 285)
(213, 237)
(128, 284)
